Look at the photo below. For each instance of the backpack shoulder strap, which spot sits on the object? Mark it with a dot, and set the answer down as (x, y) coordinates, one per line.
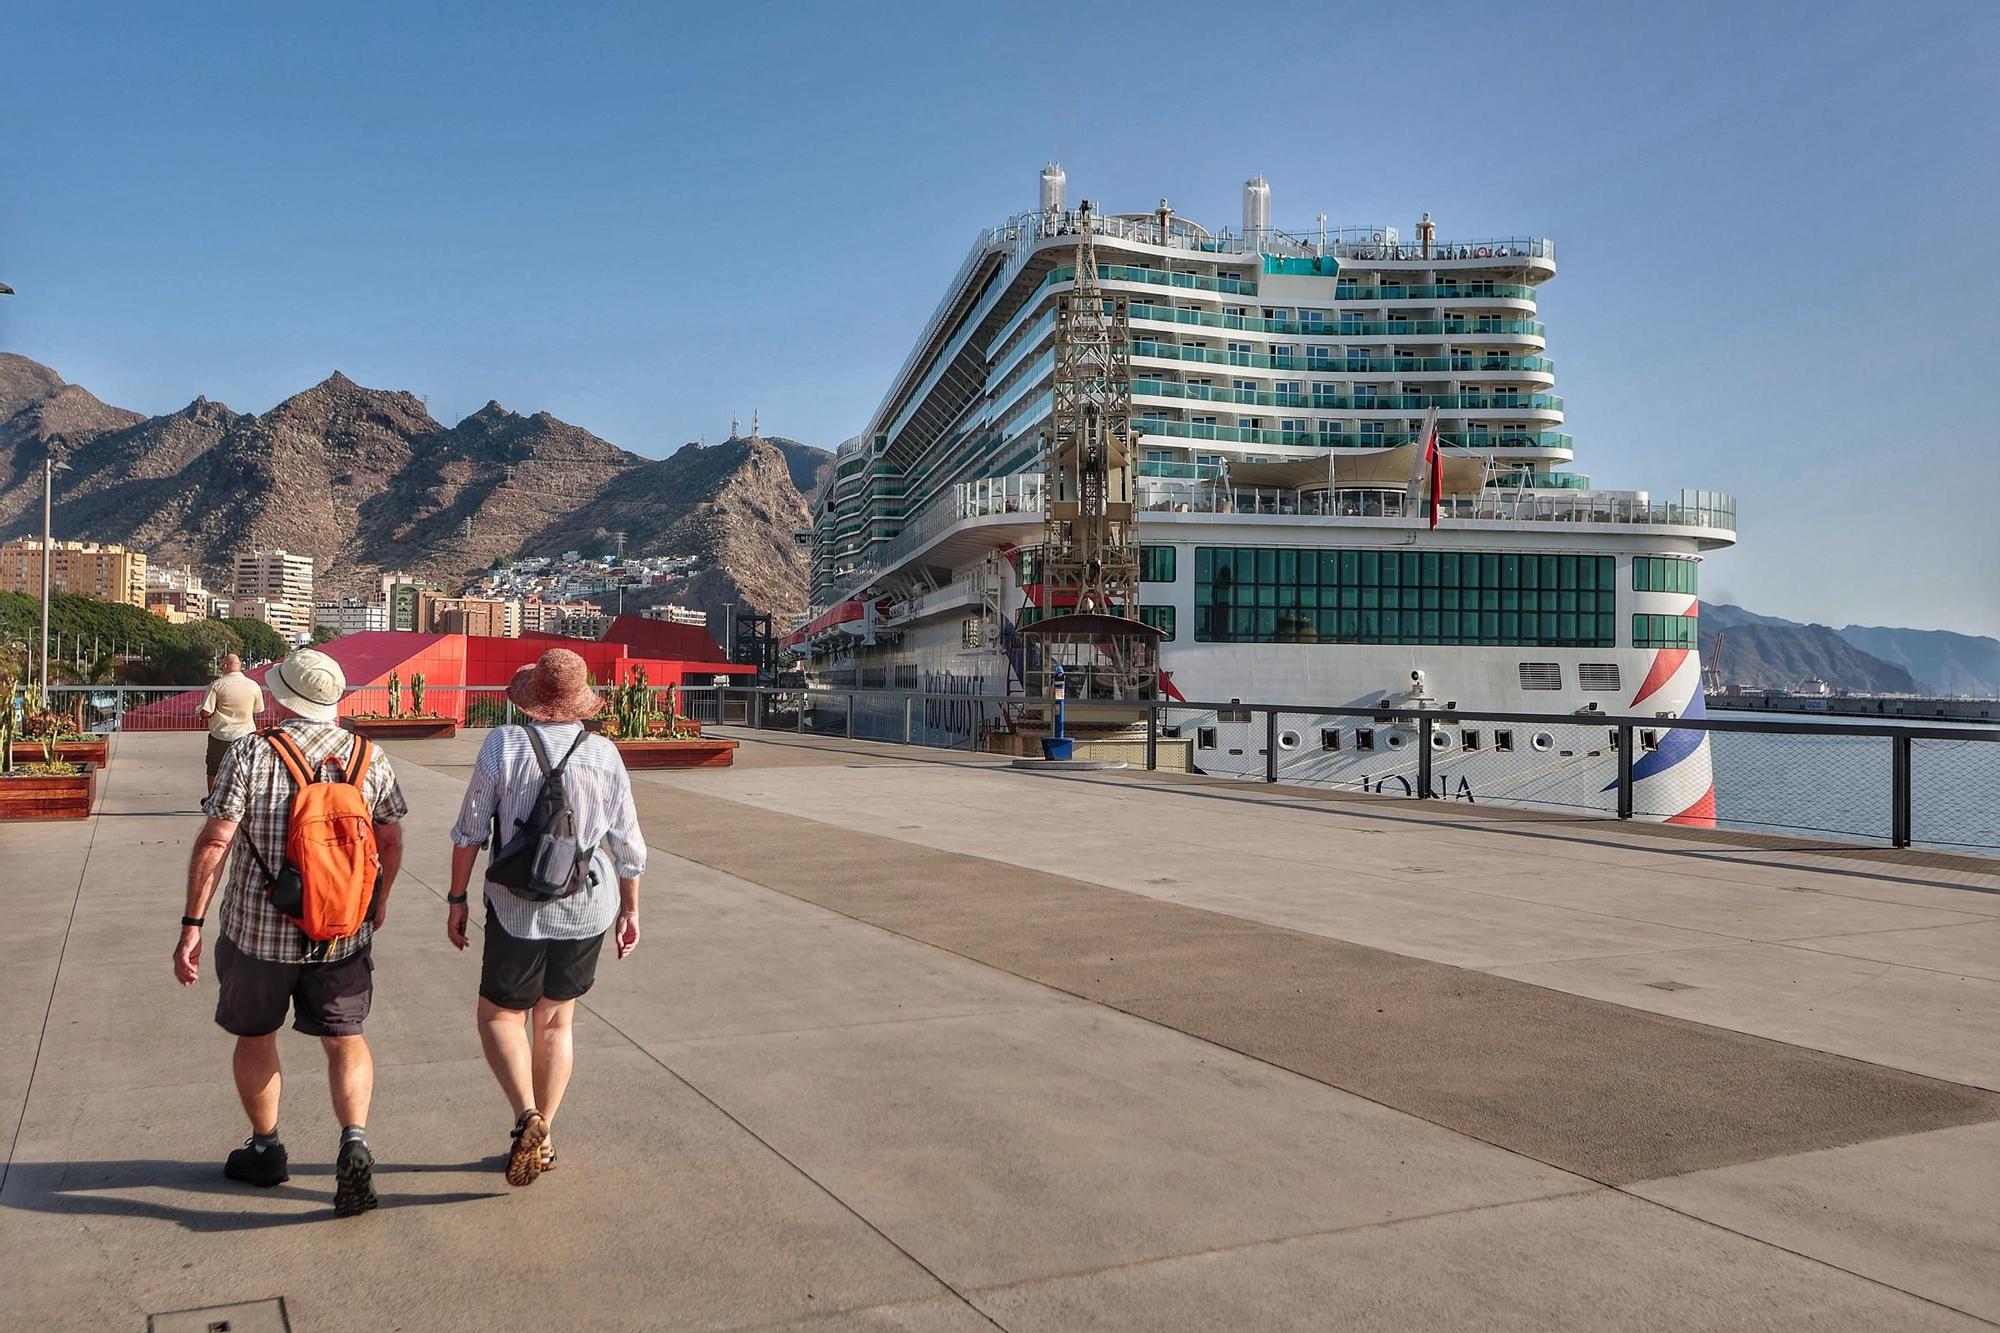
(541, 750)
(574, 746)
(291, 757)
(358, 760)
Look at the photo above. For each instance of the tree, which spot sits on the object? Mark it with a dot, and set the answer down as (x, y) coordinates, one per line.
(260, 643)
(324, 634)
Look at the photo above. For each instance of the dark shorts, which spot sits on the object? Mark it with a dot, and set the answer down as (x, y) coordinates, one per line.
(515, 973)
(329, 999)
(216, 749)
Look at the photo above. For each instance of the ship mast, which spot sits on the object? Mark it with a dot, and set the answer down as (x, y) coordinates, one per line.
(1090, 544)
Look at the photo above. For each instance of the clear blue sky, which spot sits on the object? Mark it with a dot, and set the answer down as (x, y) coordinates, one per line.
(1777, 224)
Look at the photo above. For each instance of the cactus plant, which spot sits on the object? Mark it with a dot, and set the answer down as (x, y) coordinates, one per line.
(7, 732)
(395, 695)
(632, 707)
(417, 694)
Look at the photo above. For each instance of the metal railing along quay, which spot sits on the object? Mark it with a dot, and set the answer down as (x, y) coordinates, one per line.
(1900, 784)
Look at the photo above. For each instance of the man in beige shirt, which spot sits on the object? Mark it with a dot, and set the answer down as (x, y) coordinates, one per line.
(230, 708)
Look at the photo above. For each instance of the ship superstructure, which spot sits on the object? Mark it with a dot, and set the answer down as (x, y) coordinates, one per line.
(1303, 538)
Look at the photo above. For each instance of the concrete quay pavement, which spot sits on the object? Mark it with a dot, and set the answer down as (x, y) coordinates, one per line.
(917, 1041)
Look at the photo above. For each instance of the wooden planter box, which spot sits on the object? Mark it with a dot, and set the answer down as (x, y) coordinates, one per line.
(32, 796)
(96, 750)
(402, 728)
(703, 753)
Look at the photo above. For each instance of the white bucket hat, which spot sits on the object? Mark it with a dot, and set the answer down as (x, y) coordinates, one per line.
(309, 683)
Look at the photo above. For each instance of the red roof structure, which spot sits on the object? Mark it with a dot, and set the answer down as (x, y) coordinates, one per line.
(462, 670)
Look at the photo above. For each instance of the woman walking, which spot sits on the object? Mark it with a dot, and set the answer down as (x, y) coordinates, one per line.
(555, 805)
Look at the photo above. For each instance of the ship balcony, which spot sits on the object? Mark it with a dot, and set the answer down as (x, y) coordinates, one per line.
(1494, 327)
(1313, 438)
(1535, 406)
(1708, 516)
(1539, 369)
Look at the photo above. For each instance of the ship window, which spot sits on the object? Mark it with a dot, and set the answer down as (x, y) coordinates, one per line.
(1156, 564)
(1329, 738)
(1468, 739)
(1160, 618)
(1503, 740)
(1402, 597)
(1364, 738)
(1649, 740)
(906, 677)
(1204, 737)
(1652, 631)
(1655, 573)
(1232, 715)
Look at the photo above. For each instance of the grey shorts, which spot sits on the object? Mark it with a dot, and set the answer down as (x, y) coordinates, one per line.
(326, 999)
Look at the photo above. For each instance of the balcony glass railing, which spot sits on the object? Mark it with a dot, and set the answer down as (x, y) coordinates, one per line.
(1543, 481)
(1166, 490)
(1198, 430)
(1335, 365)
(1391, 328)
(1331, 402)
(1158, 278)
(1695, 509)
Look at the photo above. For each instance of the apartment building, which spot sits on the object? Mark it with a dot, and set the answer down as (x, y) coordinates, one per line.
(111, 573)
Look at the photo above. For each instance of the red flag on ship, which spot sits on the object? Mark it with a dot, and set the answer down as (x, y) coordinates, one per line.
(1435, 459)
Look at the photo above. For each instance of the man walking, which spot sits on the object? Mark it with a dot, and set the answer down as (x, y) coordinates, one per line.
(230, 709)
(543, 939)
(265, 964)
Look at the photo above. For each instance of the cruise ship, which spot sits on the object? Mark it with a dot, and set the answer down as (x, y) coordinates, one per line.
(1302, 544)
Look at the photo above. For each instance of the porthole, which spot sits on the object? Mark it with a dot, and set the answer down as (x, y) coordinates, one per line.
(1288, 740)
(1440, 739)
(1543, 742)
(1397, 740)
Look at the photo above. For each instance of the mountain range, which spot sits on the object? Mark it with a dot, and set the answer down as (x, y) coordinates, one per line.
(365, 480)
(1770, 652)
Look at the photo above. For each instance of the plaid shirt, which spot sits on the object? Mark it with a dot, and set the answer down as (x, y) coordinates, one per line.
(253, 788)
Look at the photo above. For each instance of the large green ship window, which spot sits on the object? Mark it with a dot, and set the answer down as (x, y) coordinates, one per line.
(1663, 573)
(1156, 564)
(1160, 618)
(1649, 631)
(1498, 598)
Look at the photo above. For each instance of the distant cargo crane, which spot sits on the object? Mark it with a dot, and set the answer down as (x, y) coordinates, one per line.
(1711, 666)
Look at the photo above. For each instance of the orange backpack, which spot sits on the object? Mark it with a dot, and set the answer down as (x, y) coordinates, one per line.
(327, 883)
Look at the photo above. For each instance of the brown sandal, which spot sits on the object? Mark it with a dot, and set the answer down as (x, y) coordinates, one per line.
(524, 1159)
(548, 1154)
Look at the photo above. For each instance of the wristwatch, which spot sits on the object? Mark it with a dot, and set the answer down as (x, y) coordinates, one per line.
(196, 921)
(455, 899)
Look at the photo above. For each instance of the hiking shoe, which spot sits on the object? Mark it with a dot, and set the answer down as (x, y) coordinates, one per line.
(266, 1168)
(524, 1157)
(353, 1179)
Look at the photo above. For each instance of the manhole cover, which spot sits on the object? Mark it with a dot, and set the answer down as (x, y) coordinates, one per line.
(1671, 985)
(247, 1317)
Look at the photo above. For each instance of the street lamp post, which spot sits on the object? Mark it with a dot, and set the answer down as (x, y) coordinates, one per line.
(49, 469)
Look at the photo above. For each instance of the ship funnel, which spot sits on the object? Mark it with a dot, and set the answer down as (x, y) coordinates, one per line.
(1256, 209)
(1055, 188)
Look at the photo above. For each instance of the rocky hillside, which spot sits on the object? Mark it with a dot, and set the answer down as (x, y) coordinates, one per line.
(1940, 660)
(365, 480)
(1765, 652)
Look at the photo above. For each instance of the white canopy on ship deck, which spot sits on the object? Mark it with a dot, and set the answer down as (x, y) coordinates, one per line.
(1388, 469)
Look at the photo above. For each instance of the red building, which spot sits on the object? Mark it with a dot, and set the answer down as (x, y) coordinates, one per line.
(461, 670)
